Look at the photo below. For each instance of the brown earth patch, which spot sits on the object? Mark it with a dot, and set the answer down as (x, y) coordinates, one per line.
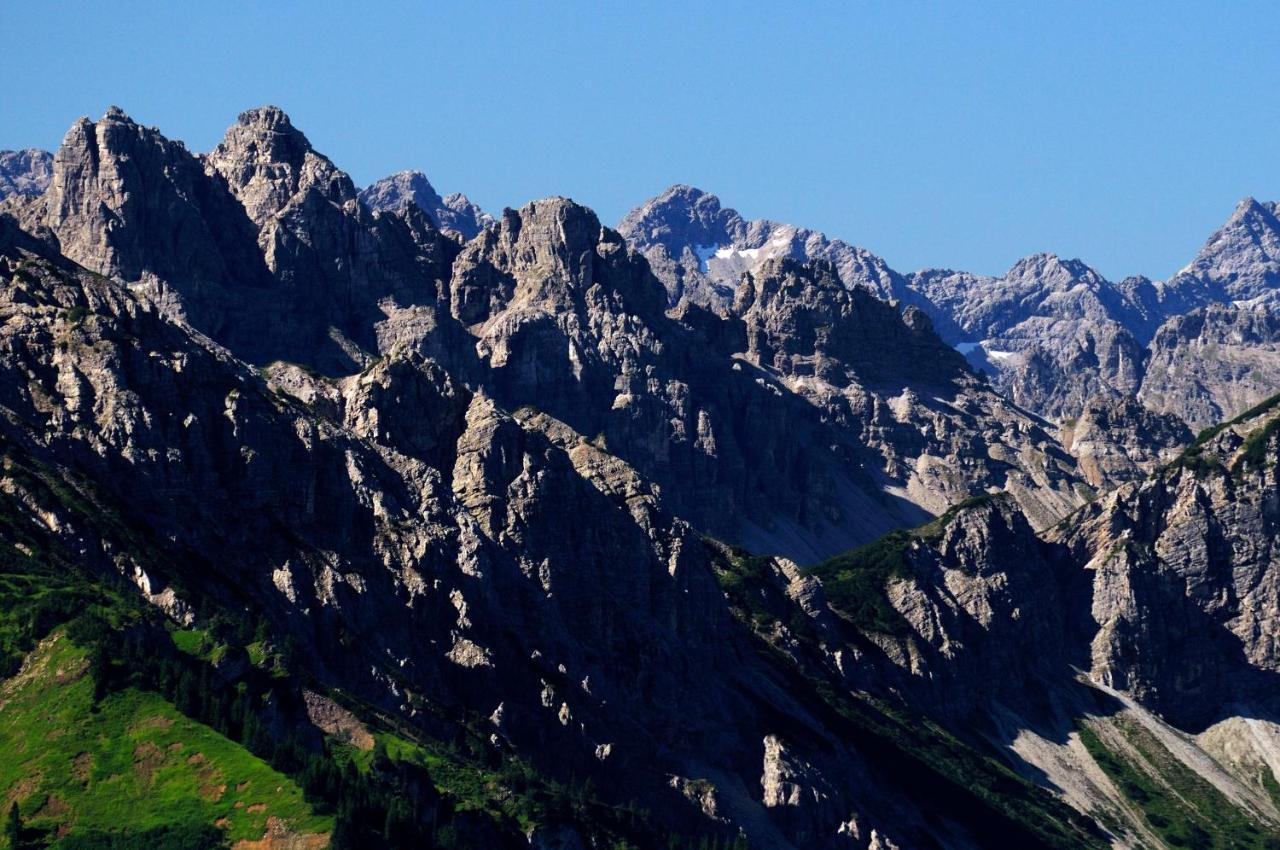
(279, 837)
(147, 757)
(177, 747)
(257, 807)
(82, 767)
(22, 789)
(211, 792)
(242, 786)
(54, 808)
(209, 776)
(72, 673)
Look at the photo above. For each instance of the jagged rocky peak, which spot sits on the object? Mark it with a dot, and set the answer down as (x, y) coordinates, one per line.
(548, 253)
(1043, 285)
(700, 249)
(1051, 331)
(25, 172)
(454, 212)
(800, 318)
(1048, 268)
(679, 217)
(126, 202)
(490, 564)
(399, 189)
(1185, 577)
(1241, 260)
(266, 161)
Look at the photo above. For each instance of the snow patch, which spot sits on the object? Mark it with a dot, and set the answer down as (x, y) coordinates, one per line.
(1001, 355)
(704, 253)
(731, 252)
(966, 347)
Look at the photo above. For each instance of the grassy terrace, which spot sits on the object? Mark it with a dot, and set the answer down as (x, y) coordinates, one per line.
(130, 763)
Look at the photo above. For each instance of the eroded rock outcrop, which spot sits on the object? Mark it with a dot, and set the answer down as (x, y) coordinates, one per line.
(453, 213)
(25, 172)
(262, 245)
(1116, 439)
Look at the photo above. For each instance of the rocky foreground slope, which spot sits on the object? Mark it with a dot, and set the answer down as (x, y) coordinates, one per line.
(496, 570)
(467, 566)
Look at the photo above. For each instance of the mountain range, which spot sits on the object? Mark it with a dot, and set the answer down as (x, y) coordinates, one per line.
(522, 530)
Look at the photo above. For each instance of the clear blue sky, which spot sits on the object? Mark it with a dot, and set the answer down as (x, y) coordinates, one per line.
(948, 134)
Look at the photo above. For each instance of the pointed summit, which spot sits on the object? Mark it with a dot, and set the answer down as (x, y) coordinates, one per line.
(547, 255)
(682, 215)
(1248, 206)
(1241, 260)
(682, 195)
(126, 202)
(264, 134)
(271, 117)
(453, 213)
(266, 161)
(700, 249)
(1050, 269)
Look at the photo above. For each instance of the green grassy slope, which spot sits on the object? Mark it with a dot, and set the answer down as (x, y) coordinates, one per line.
(130, 764)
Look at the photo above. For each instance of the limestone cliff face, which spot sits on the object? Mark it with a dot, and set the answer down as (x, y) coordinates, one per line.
(479, 479)
(437, 555)
(885, 375)
(1051, 332)
(1213, 363)
(448, 558)
(262, 245)
(338, 266)
(568, 321)
(1116, 439)
(780, 426)
(128, 203)
(1187, 559)
(1240, 261)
